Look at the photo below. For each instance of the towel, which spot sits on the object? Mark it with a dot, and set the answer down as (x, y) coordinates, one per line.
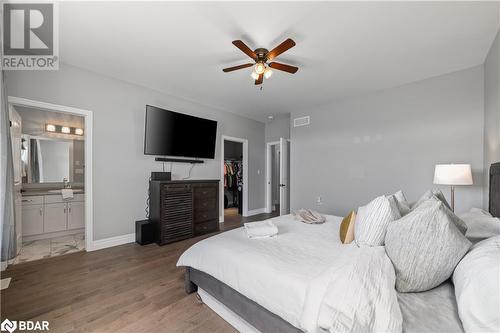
(309, 216)
(67, 193)
(262, 229)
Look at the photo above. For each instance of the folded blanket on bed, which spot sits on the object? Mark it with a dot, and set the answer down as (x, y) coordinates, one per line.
(308, 216)
(262, 229)
(362, 296)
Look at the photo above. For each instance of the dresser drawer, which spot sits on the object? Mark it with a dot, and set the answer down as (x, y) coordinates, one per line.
(205, 215)
(205, 192)
(206, 227)
(205, 203)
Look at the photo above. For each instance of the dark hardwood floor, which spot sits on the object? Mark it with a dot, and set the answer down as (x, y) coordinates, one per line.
(127, 288)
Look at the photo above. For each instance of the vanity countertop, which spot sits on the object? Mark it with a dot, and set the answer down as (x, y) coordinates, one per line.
(28, 193)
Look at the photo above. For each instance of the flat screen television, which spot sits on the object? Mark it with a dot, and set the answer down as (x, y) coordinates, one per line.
(171, 133)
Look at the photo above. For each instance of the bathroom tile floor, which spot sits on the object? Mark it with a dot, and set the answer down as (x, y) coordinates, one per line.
(46, 248)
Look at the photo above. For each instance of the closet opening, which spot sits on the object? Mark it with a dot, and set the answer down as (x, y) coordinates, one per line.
(234, 193)
(233, 178)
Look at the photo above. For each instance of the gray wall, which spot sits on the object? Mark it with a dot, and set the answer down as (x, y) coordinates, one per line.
(120, 169)
(359, 148)
(278, 128)
(491, 111)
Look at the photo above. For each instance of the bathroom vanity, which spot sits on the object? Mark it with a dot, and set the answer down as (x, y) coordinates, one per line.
(46, 214)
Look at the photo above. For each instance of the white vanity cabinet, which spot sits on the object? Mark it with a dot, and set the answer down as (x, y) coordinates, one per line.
(76, 215)
(46, 214)
(32, 216)
(55, 217)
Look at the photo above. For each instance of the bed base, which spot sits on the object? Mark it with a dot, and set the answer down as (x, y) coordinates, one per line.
(494, 204)
(254, 314)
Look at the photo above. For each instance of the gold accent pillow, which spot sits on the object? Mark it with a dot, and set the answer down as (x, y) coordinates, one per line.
(347, 228)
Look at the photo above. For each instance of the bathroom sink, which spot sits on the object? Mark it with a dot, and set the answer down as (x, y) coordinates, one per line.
(59, 191)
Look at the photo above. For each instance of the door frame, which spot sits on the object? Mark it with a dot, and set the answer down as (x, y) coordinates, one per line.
(87, 114)
(244, 141)
(269, 177)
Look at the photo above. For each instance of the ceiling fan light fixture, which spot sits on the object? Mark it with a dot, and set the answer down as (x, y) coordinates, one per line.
(254, 75)
(268, 73)
(260, 68)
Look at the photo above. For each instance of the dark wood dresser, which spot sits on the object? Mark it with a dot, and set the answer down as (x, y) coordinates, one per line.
(181, 209)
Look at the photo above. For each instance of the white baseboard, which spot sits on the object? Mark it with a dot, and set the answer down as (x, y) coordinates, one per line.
(110, 242)
(256, 211)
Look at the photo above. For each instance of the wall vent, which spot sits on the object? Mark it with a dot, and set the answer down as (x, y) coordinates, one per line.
(302, 121)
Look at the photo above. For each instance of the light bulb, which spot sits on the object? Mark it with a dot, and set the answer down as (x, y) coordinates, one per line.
(79, 131)
(65, 130)
(254, 75)
(50, 128)
(268, 73)
(260, 67)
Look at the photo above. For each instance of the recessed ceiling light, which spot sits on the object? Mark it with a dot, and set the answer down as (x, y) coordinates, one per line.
(270, 117)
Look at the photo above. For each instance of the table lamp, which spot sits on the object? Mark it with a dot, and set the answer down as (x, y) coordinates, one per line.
(453, 174)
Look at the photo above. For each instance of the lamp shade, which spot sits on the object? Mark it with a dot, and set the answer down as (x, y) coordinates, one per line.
(453, 174)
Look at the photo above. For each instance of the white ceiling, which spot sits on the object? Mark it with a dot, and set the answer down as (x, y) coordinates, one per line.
(343, 49)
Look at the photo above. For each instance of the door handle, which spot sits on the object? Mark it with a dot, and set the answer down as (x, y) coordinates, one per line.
(41, 211)
(282, 185)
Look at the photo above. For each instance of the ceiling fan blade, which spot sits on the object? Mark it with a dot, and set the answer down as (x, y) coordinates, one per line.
(259, 80)
(287, 44)
(283, 67)
(245, 49)
(234, 68)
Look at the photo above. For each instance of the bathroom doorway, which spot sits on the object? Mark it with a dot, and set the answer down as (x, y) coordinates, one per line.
(52, 168)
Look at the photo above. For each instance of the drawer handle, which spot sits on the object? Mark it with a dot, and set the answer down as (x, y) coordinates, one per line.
(27, 200)
(41, 211)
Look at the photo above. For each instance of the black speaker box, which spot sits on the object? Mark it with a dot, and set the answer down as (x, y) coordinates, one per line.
(144, 232)
(161, 176)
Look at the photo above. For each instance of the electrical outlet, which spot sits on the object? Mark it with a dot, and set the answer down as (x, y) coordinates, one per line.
(319, 200)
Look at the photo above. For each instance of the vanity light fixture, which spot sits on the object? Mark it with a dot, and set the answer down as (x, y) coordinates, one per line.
(63, 129)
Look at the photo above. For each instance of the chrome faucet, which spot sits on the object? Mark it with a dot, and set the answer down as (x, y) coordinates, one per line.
(66, 183)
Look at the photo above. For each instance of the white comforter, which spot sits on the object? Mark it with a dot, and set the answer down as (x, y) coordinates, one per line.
(302, 274)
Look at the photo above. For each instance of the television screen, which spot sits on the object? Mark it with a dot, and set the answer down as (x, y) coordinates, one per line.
(175, 134)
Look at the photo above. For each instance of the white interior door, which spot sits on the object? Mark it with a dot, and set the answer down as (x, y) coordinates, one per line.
(284, 177)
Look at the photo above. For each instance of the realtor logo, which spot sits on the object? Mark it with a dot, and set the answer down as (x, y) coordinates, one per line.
(30, 36)
(8, 325)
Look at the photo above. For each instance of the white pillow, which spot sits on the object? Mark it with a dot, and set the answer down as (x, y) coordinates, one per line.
(480, 225)
(477, 287)
(372, 220)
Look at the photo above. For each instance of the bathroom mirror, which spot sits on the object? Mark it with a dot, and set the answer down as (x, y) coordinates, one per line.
(51, 160)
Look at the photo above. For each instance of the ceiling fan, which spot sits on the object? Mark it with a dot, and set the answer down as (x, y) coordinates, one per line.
(261, 56)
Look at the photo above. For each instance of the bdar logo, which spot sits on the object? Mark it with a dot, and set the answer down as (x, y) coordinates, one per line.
(8, 325)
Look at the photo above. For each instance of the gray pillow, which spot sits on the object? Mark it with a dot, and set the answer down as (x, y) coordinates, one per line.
(425, 246)
(428, 194)
(372, 220)
(401, 202)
